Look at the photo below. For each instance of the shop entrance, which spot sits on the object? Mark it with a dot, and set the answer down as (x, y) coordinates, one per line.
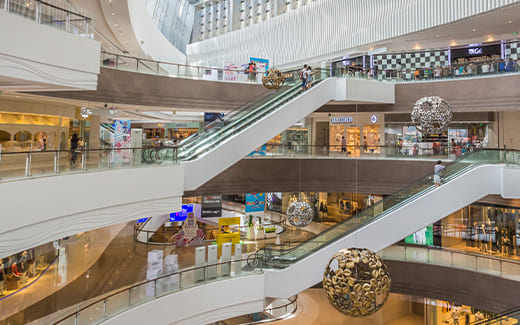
(336, 133)
(371, 137)
(353, 141)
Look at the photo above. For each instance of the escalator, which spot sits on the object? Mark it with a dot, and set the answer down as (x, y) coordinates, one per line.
(230, 139)
(390, 220)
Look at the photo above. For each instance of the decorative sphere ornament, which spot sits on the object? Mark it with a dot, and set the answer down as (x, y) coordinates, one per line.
(274, 79)
(432, 115)
(357, 282)
(299, 214)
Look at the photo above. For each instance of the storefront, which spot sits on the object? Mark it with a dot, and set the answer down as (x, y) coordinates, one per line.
(181, 131)
(331, 207)
(295, 139)
(468, 131)
(476, 54)
(21, 270)
(482, 228)
(361, 133)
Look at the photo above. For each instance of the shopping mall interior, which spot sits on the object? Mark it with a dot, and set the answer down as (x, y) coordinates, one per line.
(230, 162)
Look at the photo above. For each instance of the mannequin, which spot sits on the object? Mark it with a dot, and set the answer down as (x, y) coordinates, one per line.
(483, 244)
(16, 273)
(2, 278)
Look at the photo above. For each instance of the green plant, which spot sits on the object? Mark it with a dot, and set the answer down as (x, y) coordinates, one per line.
(270, 229)
(249, 222)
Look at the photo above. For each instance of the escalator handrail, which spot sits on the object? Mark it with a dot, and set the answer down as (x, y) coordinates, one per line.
(237, 124)
(242, 108)
(457, 173)
(251, 116)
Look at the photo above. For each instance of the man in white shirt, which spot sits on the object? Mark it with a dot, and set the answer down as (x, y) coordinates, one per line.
(437, 173)
(303, 77)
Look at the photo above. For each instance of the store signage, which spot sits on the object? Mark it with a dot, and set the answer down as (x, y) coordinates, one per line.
(181, 215)
(255, 202)
(475, 51)
(211, 206)
(373, 118)
(341, 119)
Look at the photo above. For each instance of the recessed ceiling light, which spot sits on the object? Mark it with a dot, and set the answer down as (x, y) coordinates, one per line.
(510, 22)
(474, 30)
(437, 35)
(113, 14)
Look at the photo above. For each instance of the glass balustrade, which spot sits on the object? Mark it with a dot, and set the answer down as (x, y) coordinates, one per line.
(385, 206)
(492, 265)
(16, 165)
(55, 13)
(140, 293)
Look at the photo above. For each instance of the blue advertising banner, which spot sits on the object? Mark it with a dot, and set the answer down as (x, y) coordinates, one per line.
(255, 202)
(181, 215)
(262, 65)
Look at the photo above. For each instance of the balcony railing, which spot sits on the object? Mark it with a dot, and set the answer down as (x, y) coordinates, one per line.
(162, 68)
(140, 293)
(54, 13)
(492, 265)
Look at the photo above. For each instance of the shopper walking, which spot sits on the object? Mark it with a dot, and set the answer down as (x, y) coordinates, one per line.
(343, 144)
(309, 77)
(252, 72)
(437, 173)
(73, 149)
(303, 77)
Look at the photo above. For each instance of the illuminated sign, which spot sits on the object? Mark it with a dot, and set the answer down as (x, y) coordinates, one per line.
(475, 51)
(183, 214)
(373, 119)
(341, 119)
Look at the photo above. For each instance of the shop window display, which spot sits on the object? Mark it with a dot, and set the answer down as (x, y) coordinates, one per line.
(371, 138)
(477, 228)
(22, 269)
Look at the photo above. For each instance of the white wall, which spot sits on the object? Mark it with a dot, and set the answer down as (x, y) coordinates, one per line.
(359, 90)
(331, 27)
(40, 210)
(44, 54)
(202, 304)
(511, 177)
(149, 37)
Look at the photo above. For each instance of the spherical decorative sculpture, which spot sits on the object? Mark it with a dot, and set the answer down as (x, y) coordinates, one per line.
(432, 115)
(274, 79)
(357, 282)
(299, 214)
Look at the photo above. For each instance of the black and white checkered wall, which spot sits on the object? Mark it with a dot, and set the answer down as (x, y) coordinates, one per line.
(512, 51)
(410, 62)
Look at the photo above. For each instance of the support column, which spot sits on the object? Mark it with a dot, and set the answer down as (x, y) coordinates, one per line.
(95, 124)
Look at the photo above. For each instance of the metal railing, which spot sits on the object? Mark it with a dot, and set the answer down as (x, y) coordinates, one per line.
(269, 312)
(163, 68)
(151, 234)
(492, 265)
(457, 71)
(430, 150)
(142, 292)
(55, 13)
(18, 165)
(15, 165)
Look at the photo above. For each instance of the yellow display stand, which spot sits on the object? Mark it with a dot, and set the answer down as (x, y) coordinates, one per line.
(225, 235)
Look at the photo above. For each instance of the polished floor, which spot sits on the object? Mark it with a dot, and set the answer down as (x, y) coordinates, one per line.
(314, 309)
(113, 264)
